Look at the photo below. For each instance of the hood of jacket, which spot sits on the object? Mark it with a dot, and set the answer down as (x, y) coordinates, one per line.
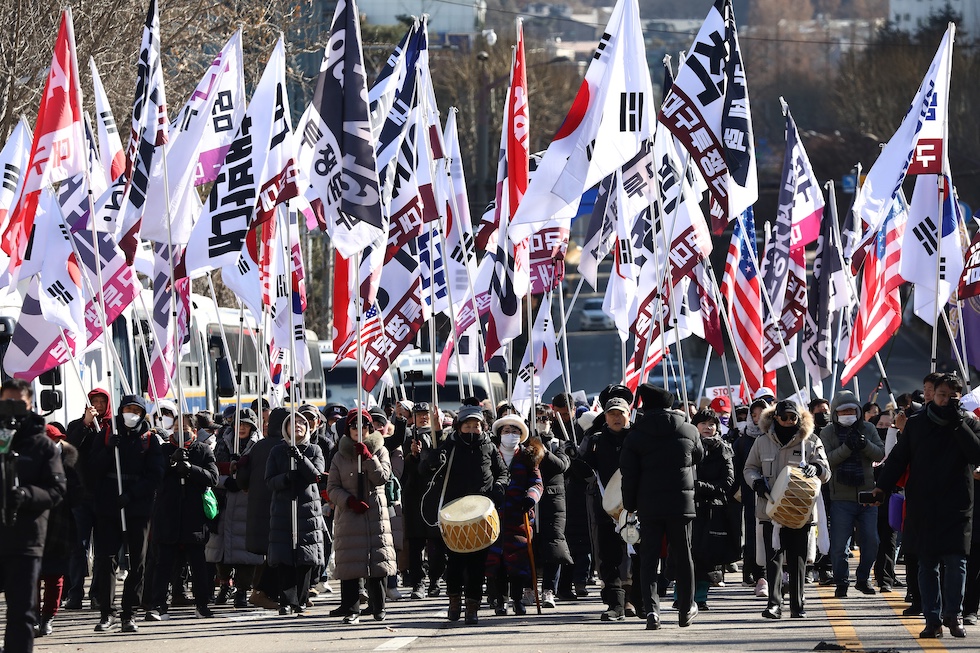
(843, 398)
(276, 419)
(374, 442)
(102, 392)
(804, 428)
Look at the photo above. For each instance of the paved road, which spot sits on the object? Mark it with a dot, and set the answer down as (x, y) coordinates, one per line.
(733, 624)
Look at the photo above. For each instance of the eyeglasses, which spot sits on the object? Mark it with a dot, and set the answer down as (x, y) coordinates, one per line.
(789, 419)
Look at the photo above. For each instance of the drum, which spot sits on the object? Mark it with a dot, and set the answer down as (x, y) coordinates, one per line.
(612, 498)
(792, 497)
(469, 524)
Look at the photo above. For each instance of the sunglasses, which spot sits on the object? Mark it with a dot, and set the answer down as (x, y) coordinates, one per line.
(790, 419)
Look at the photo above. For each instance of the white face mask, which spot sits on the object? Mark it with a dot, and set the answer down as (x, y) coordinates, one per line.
(131, 419)
(510, 441)
(167, 422)
(741, 425)
(847, 420)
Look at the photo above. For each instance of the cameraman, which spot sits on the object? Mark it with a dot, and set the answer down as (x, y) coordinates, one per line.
(33, 483)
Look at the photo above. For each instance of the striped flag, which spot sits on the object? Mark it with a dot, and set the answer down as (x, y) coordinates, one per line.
(740, 288)
(880, 308)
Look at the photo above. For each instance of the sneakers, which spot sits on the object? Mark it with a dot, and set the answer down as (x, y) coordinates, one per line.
(203, 612)
(840, 592)
(260, 599)
(325, 586)
(528, 598)
(393, 594)
(434, 590)
(519, 608)
(613, 614)
(107, 623)
(44, 628)
(129, 625)
(380, 616)
(773, 612)
(223, 594)
(864, 587)
(581, 590)
(313, 591)
(970, 619)
(156, 615)
(241, 599)
(285, 611)
(685, 618)
(418, 592)
(762, 588)
(548, 599)
(352, 619)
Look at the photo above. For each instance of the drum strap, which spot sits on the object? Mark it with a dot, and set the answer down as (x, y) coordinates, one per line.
(445, 480)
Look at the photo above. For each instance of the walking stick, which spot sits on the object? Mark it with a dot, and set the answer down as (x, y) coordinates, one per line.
(530, 556)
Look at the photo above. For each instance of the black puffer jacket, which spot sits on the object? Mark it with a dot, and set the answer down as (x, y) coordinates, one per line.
(415, 481)
(40, 472)
(60, 540)
(178, 515)
(712, 538)
(251, 479)
(550, 544)
(658, 465)
(940, 456)
(142, 467)
(477, 468)
(299, 484)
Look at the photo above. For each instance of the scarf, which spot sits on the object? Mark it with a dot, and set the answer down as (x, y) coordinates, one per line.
(851, 471)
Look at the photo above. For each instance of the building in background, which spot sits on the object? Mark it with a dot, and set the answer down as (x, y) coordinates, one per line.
(458, 16)
(910, 15)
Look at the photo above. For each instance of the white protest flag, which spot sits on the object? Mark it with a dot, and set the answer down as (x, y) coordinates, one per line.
(609, 120)
(288, 304)
(619, 302)
(707, 110)
(110, 145)
(337, 150)
(166, 334)
(60, 281)
(226, 112)
(14, 157)
(600, 234)
(904, 153)
(932, 248)
(460, 247)
(381, 96)
(257, 174)
(120, 208)
(182, 151)
(543, 364)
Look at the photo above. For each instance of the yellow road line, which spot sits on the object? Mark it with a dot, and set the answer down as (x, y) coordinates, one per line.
(912, 624)
(844, 630)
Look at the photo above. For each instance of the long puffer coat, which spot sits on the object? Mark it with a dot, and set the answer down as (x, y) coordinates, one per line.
(510, 551)
(715, 480)
(227, 542)
(549, 540)
(251, 478)
(300, 484)
(362, 544)
(178, 513)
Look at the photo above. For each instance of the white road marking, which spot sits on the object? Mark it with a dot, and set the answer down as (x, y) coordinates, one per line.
(396, 643)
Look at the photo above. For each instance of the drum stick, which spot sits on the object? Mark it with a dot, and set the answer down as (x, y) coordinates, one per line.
(530, 556)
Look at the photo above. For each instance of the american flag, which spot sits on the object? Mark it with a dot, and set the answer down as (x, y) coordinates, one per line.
(880, 307)
(371, 327)
(740, 288)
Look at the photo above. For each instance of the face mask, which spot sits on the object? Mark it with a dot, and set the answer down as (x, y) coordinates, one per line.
(167, 422)
(785, 431)
(544, 428)
(131, 419)
(741, 425)
(725, 420)
(510, 441)
(820, 419)
(847, 420)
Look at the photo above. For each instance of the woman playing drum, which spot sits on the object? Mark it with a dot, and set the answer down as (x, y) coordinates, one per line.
(466, 464)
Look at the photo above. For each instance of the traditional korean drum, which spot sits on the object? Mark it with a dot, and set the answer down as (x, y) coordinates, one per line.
(792, 497)
(612, 498)
(469, 524)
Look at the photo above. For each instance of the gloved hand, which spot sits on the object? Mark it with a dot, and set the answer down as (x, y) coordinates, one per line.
(183, 468)
(571, 451)
(760, 487)
(178, 456)
(296, 479)
(235, 457)
(122, 500)
(18, 497)
(951, 411)
(323, 495)
(231, 484)
(809, 471)
(114, 440)
(362, 450)
(295, 454)
(527, 504)
(858, 441)
(357, 506)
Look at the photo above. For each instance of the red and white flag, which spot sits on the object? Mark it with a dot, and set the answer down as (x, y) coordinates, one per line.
(170, 340)
(110, 146)
(13, 164)
(542, 366)
(880, 307)
(741, 290)
(60, 280)
(58, 149)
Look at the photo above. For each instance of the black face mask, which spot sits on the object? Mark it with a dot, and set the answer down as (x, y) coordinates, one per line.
(785, 433)
(821, 419)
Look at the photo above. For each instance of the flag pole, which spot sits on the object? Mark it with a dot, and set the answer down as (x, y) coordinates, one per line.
(939, 275)
(726, 320)
(566, 367)
(224, 342)
(704, 376)
(956, 350)
(287, 267)
(432, 324)
(532, 425)
(358, 317)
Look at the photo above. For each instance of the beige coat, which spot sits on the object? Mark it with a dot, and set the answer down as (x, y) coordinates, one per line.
(768, 457)
(363, 545)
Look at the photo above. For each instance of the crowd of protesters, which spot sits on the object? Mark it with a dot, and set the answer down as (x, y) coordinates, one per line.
(645, 497)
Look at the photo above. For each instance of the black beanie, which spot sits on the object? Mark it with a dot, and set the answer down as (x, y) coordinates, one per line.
(653, 396)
